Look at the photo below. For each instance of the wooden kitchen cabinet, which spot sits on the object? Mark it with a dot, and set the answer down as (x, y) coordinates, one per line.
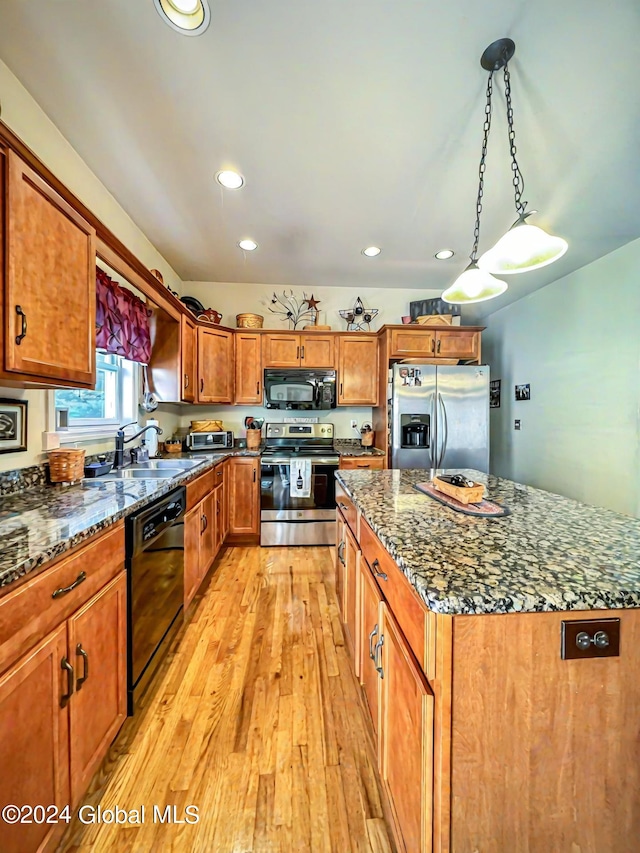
(406, 738)
(50, 285)
(351, 558)
(369, 631)
(225, 499)
(98, 708)
(215, 366)
(353, 463)
(200, 539)
(244, 496)
(34, 747)
(357, 370)
(415, 341)
(340, 564)
(248, 368)
(189, 352)
(298, 350)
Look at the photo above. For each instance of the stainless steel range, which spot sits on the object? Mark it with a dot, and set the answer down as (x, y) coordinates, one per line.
(297, 485)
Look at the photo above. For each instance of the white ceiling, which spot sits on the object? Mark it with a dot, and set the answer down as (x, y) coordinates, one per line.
(355, 122)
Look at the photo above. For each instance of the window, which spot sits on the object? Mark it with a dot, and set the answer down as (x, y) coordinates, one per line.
(111, 403)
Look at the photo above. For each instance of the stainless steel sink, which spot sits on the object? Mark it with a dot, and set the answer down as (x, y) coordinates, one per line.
(143, 474)
(153, 464)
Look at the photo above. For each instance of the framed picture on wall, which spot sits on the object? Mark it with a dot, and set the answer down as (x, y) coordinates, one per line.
(494, 393)
(523, 392)
(13, 425)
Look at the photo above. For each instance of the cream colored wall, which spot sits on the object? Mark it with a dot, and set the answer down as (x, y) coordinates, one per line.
(232, 298)
(576, 342)
(27, 120)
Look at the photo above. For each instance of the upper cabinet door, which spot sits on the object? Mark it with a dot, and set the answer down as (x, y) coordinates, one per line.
(357, 370)
(248, 368)
(317, 351)
(215, 371)
(281, 350)
(458, 343)
(415, 342)
(50, 300)
(188, 334)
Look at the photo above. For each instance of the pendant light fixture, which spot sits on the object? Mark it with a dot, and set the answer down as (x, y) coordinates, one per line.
(524, 247)
(475, 284)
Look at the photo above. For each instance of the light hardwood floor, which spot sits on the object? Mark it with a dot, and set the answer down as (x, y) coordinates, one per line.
(256, 719)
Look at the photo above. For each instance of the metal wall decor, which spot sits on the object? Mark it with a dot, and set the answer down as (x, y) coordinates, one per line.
(291, 309)
(358, 318)
(13, 426)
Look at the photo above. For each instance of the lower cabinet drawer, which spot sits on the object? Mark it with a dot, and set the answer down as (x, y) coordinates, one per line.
(347, 508)
(416, 622)
(197, 489)
(31, 611)
(364, 463)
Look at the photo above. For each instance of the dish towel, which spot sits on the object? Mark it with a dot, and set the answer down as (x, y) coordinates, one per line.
(300, 486)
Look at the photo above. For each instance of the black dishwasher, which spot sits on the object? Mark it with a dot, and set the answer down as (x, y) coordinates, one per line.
(155, 581)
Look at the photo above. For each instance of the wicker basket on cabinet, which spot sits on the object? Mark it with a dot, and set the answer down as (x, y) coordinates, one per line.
(249, 321)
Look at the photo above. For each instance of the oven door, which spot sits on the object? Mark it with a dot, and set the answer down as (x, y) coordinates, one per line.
(287, 520)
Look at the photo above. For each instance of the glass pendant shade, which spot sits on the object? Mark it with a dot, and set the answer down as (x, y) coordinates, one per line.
(473, 285)
(524, 247)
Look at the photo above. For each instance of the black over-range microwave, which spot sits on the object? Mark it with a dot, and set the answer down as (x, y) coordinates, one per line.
(300, 389)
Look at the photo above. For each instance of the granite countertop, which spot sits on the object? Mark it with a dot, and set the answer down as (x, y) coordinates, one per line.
(550, 553)
(38, 525)
(352, 447)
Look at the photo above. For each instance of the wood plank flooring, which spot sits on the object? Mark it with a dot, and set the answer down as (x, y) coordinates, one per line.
(256, 719)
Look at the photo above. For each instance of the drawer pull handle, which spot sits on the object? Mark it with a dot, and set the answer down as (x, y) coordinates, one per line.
(302, 352)
(297, 352)
(64, 664)
(257, 388)
(85, 672)
(342, 506)
(205, 523)
(372, 654)
(58, 593)
(433, 344)
(439, 342)
(341, 552)
(186, 380)
(378, 666)
(201, 385)
(23, 329)
(375, 567)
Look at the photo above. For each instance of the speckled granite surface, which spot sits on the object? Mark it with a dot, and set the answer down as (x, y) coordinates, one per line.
(352, 447)
(550, 553)
(39, 524)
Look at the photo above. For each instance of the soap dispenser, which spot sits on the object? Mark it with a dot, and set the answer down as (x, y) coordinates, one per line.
(152, 437)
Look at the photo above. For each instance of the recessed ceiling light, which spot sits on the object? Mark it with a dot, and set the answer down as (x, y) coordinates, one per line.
(371, 251)
(230, 179)
(248, 245)
(188, 17)
(444, 255)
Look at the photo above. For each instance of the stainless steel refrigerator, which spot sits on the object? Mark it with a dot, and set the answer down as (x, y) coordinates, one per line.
(439, 416)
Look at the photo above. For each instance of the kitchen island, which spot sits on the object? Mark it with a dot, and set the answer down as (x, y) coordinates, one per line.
(501, 724)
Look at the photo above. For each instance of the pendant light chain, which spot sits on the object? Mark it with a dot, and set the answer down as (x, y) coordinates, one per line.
(518, 180)
(481, 169)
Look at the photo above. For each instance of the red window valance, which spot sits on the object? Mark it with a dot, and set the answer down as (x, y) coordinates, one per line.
(122, 321)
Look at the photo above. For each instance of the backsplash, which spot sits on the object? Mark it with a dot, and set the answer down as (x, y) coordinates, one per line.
(36, 476)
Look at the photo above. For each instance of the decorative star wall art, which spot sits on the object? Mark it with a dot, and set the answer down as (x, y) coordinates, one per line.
(358, 318)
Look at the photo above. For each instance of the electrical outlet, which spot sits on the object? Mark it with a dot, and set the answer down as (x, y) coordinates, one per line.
(516, 424)
(354, 424)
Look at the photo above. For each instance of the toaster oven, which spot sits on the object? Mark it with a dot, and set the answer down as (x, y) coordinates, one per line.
(210, 440)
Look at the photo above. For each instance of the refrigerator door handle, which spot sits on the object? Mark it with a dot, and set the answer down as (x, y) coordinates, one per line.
(433, 449)
(445, 431)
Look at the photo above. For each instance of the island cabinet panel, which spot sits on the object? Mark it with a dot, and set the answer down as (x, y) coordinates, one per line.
(34, 747)
(248, 368)
(244, 496)
(225, 498)
(545, 752)
(98, 645)
(358, 370)
(200, 542)
(417, 623)
(189, 352)
(406, 740)
(50, 287)
(215, 366)
(351, 597)
(370, 649)
(340, 562)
